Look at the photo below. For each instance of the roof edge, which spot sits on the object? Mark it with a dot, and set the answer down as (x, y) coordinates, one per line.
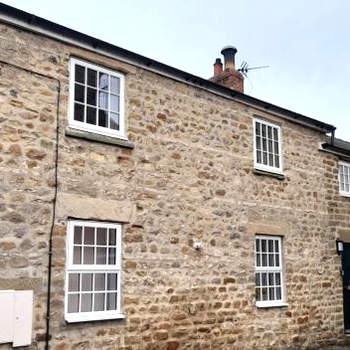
(33, 23)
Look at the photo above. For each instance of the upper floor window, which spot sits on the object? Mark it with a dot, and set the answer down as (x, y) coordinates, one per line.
(344, 179)
(96, 99)
(268, 271)
(93, 271)
(267, 146)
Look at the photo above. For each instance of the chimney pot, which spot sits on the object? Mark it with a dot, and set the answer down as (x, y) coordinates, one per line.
(217, 67)
(229, 53)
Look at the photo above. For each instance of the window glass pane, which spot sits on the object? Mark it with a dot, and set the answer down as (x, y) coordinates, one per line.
(86, 302)
(103, 100)
(112, 281)
(278, 278)
(78, 112)
(258, 294)
(111, 256)
(102, 118)
(114, 103)
(265, 158)
(91, 115)
(77, 234)
(263, 245)
(79, 74)
(275, 134)
(277, 260)
(278, 293)
(264, 260)
(99, 302)
(74, 281)
(272, 293)
(101, 256)
(264, 279)
(276, 148)
(258, 257)
(114, 121)
(257, 128)
(258, 157)
(270, 159)
(77, 255)
(79, 93)
(91, 96)
(270, 245)
(258, 142)
(112, 236)
(271, 279)
(86, 282)
(92, 77)
(270, 146)
(103, 81)
(271, 259)
(257, 279)
(264, 145)
(342, 186)
(111, 301)
(101, 236)
(347, 187)
(257, 245)
(263, 130)
(264, 293)
(89, 235)
(73, 303)
(277, 162)
(89, 255)
(100, 281)
(115, 85)
(277, 247)
(269, 132)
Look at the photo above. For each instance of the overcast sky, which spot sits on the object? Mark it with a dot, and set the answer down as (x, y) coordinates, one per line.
(305, 43)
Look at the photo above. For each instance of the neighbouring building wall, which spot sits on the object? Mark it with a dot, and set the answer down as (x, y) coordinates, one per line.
(190, 177)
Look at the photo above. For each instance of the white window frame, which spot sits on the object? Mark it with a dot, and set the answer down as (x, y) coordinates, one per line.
(343, 192)
(81, 268)
(75, 124)
(267, 269)
(264, 167)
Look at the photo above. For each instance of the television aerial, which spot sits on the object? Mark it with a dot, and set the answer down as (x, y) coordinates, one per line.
(244, 68)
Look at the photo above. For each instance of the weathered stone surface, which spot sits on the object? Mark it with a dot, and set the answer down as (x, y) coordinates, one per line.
(85, 207)
(186, 176)
(23, 283)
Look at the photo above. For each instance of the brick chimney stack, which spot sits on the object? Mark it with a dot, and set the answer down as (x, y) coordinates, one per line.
(228, 77)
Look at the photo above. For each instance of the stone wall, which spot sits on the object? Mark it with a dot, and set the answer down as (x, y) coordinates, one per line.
(189, 177)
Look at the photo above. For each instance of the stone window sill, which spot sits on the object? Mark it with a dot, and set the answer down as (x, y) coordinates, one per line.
(85, 135)
(268, 173)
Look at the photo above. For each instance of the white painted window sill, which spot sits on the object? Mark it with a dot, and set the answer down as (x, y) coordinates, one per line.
(262, 305)
(89, 317)
(344, 194)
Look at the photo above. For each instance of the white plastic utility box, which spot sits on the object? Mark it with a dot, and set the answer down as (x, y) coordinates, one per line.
(16, 317)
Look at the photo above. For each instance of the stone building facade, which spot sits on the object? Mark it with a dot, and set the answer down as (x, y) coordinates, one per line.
(181, 187)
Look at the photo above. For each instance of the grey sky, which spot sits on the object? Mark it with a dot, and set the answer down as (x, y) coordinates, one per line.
(305, 43)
